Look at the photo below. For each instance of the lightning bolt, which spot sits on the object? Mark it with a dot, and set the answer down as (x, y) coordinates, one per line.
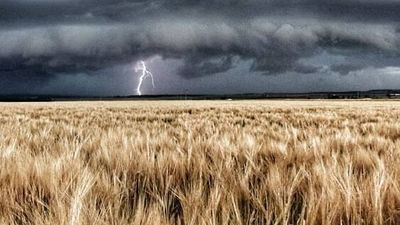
(144, 73)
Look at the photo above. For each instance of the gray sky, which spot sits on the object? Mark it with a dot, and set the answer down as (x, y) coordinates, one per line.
(90, 47)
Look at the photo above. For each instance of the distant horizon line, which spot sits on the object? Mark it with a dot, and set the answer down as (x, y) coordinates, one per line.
(183, 94)
(373, 93)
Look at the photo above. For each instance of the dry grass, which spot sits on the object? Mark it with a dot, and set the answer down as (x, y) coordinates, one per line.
(247, 162)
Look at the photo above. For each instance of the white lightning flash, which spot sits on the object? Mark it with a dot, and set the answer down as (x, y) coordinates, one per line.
(144, 73)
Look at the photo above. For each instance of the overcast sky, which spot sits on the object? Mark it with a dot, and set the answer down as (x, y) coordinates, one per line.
(91, 47)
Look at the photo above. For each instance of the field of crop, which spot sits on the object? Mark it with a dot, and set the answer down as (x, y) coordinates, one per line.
(200, 162)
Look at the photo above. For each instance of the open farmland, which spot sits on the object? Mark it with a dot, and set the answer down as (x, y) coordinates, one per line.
(200, 162)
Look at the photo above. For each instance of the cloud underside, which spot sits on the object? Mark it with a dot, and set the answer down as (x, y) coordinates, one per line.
(41, 38)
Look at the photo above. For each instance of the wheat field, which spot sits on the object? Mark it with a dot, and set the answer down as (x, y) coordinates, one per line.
(200, 162)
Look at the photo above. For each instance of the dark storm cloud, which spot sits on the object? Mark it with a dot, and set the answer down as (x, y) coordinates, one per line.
(196, 66)
(345, 69)
(37, 9)
(274, 48)
(64, 10)
(48, 37)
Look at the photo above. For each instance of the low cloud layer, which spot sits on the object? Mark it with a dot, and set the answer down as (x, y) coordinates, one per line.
(43, 39)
